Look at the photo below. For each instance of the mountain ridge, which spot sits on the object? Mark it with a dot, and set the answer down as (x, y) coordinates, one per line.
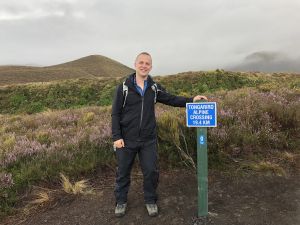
(85, 67)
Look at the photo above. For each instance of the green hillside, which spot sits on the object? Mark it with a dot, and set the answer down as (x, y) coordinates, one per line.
(86, 67)
(73, 93)
(97, 65)
(53, 127)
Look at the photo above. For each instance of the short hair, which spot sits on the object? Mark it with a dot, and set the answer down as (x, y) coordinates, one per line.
(143, 53)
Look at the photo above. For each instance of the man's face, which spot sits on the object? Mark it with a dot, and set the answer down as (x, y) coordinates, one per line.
(143, 65)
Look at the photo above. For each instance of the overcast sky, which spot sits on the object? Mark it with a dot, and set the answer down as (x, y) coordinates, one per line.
(181, 35)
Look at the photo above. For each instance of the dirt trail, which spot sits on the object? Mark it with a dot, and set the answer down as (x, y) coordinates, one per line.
(252, 200)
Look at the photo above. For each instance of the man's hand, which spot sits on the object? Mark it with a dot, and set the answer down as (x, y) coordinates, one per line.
(199, 97)
(119, 143)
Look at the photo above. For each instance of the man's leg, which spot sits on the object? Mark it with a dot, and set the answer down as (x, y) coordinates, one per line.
(125, 159)
(148, 160)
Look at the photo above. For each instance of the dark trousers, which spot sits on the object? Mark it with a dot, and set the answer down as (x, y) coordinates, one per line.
(147, 152)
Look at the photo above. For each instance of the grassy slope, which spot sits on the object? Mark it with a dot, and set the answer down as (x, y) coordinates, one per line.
(96, 65)
(87, 67)
(73, 93)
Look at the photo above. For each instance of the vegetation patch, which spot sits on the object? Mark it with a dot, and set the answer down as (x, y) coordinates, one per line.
(258, 129)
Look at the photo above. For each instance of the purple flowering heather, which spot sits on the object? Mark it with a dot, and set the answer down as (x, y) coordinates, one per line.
(6, 180)
(23, 147)
(55, 132)
(54, 146)
(227, 113)
(100, 133)
(68, 119)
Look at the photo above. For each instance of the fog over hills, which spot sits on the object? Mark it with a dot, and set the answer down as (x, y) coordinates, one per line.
(267, 61)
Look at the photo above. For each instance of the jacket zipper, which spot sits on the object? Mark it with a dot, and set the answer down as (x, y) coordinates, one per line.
(141, 115)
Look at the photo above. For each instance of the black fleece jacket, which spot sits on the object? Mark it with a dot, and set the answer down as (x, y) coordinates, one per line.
(136, 121)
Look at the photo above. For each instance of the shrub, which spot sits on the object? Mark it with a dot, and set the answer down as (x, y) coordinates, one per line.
(33, 98)
(43, 145)
(249, 123)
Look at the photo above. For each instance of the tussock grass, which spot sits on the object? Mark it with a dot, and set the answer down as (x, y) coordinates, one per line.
(42, 197)
(79, 187)
(266, 166)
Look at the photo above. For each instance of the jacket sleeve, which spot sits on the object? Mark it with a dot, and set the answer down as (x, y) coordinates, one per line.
(117, 107)
(164, 97)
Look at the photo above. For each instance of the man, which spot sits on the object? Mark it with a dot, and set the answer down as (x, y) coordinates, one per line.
(134, 131)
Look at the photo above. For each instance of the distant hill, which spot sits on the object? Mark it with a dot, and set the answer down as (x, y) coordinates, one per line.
(87, 67)
(266, 61)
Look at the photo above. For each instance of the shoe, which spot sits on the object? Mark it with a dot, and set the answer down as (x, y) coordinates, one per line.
(120, 210)
(152, 209)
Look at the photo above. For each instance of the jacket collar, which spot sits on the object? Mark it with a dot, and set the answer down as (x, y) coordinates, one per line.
(130, 81)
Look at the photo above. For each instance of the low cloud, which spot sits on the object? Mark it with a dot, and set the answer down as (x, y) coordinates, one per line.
(267, 61)
(36, 9)
(180, 35)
